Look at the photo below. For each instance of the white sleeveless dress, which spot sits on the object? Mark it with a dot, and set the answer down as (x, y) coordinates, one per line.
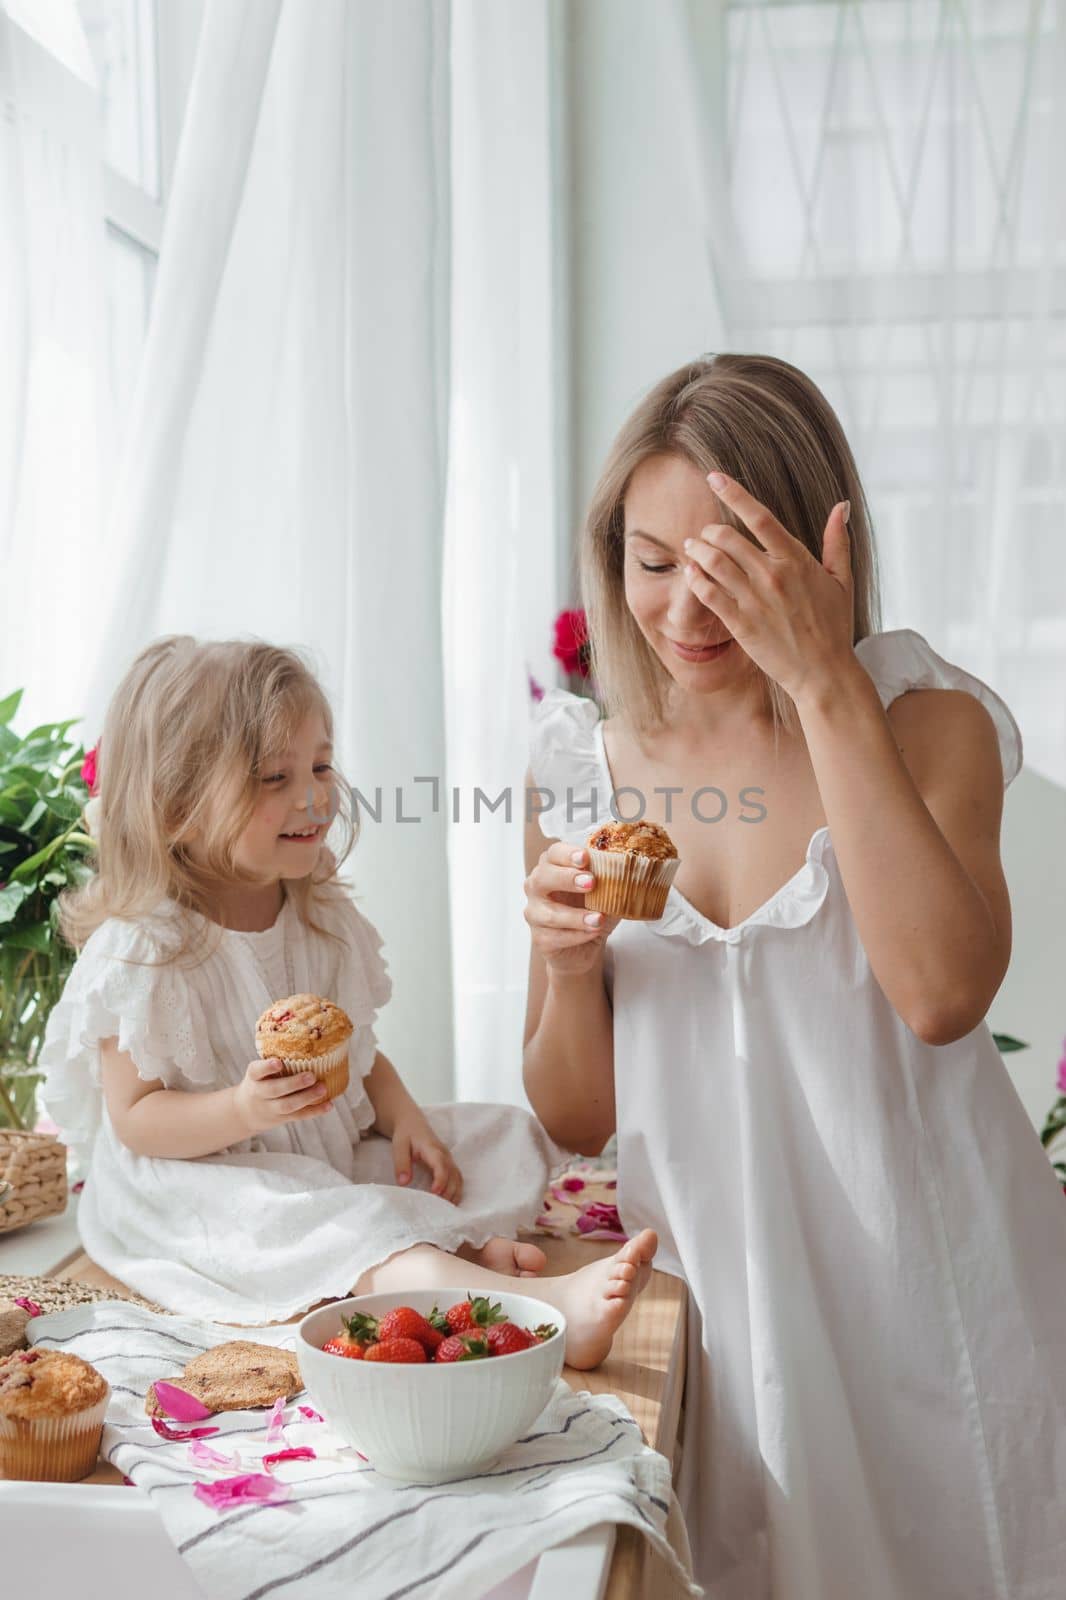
(268, 1227)
(873, 1238)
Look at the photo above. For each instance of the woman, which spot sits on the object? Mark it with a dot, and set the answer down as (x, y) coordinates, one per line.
(810, 1109)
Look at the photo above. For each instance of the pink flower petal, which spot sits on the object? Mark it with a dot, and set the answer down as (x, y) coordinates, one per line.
(31, 1308)
(303, 1453)
(204, 1456)
(310, 1413)
(276, 1420)
(179, 1403)
(165, 1431)
(76, 1188)
(247, 1486)
(572, 1185)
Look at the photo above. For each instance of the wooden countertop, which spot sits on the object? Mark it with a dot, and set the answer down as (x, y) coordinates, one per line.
(646, 1369)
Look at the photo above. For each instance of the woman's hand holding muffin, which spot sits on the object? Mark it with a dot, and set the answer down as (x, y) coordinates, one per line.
(569, 938)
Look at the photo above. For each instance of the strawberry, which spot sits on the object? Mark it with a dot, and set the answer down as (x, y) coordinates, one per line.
(402, 1322)
(343, 1346)
(474, 1312)
(404, 1350)
(506, 1339)
(461, 1347)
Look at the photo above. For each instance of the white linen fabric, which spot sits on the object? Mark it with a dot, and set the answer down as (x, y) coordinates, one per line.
(344, 1530)
(876, 1391)
(269, 1226)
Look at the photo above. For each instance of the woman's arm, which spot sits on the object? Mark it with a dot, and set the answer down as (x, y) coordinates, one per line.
(152, 1120)
(568, 1061)
(914, 801)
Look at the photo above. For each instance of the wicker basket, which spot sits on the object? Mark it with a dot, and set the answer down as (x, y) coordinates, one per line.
(33, 1177)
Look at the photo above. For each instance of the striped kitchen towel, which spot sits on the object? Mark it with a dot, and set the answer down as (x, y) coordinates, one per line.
(340, 1529)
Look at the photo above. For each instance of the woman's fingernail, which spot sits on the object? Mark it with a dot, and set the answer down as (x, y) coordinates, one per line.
(717, 480)
(689, 543)
(578, 858)
(592, 919)
(845, 511)
(584, 880)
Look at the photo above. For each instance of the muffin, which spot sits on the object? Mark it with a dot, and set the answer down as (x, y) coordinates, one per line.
(52, 1409)
(307, 1034)
(634, 865)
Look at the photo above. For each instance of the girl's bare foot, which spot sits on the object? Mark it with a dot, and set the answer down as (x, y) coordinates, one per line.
(596, 1299)
(512, 1257)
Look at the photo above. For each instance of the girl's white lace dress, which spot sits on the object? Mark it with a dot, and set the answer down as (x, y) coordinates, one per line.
(873, 1238)
(268, 1227)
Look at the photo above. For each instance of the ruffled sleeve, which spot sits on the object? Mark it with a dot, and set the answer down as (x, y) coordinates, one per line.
(567, 765)
(121, 986)
(902, 659)
(361, 985)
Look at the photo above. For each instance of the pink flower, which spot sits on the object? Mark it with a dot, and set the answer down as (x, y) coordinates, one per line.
(165, 1431)
(1061, 1078)
(31, 1308)
(572, 1185)
(310, 1413)
(572, 646)
(88, 769)
(179, 1403)
(276, 1420)
(535, 689)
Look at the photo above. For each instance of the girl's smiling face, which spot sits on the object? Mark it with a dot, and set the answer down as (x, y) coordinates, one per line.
(668, 501)
(298, 801)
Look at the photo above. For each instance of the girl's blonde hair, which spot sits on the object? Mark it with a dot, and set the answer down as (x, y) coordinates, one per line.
(762, 422)
(180, 755)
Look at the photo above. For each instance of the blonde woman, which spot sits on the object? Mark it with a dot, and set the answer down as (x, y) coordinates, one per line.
(810, 1108)
(218, 1186)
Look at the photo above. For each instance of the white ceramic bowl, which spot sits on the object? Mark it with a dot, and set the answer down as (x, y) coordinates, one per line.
(429, 1424)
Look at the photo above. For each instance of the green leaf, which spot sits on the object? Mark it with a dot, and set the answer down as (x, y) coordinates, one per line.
(10, 705)
(38, 936)
(28, 868)
(11, 897)
(1006, 1043)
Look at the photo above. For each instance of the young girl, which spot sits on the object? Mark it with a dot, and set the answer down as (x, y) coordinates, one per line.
(217, 1186)
(810, 1108)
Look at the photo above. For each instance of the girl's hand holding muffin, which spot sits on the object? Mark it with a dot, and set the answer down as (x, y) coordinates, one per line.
(267, 1095)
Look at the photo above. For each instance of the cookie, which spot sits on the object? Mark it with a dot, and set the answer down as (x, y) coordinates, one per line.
(234, 1377)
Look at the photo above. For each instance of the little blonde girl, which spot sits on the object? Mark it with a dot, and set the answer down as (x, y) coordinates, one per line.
(218, 1186)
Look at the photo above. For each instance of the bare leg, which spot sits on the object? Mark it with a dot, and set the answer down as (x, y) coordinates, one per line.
(512, 1257)
(595, 1300)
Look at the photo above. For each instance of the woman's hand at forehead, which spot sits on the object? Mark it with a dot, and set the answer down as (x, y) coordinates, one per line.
(792, 614)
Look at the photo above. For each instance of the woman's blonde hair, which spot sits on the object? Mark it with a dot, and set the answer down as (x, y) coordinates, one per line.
(762, 422)
(179, 761)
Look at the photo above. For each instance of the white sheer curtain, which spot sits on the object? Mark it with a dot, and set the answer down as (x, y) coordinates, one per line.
(284, 470)
(507, 506)
(55, 403)
(900, 233)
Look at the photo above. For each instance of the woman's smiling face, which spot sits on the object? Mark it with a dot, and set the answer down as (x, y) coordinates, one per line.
(668, 501)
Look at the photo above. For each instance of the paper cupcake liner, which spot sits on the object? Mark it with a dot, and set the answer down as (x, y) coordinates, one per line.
(629, 885)
(330, 1068)
(52, 1449)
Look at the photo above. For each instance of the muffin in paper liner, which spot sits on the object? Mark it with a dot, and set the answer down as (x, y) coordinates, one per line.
(634, 865)
(629, 885)
(331, 1069)
(50, 1443)
(307, 1034)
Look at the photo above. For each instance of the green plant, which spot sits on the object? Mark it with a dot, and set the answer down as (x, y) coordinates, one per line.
(44, 847)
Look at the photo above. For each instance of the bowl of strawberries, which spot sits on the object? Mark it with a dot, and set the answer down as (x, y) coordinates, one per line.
(432, 1385)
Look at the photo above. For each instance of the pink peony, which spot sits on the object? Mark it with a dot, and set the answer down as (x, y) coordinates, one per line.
(572, 647)
(88, 769)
